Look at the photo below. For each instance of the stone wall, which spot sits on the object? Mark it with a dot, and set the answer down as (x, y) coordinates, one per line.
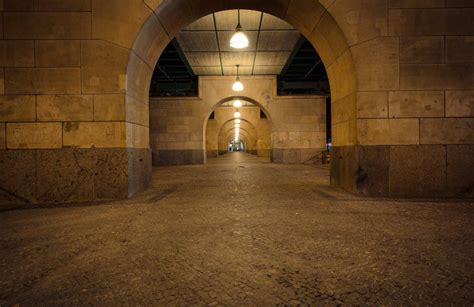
(75, 75)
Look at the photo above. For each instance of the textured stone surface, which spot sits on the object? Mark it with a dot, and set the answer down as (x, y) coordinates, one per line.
(61, 25)
(372, 175)
(388, 131)
(460, 170)
(240, 232)
(94, 134)
(372, 105)
(460, 103)
(447, 131)
(178, 157)
(43, 81)
(418, 171)
(64, 53)
(62, 5)
(422, 49)
(109, 107)
(436, 76)
(73, 175)
(17, 53)
(17, 108)
(139, 170)
(382, 71)
(416, 104)
(103, 67)
(65, 108)
(34, 135)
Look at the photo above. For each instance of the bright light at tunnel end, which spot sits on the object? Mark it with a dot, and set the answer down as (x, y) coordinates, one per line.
(237, 103)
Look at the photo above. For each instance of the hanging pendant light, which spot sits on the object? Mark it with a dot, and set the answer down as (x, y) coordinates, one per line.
(237, 86)
(239, 40)
(237, 103)
(237, 121)
(237, 114)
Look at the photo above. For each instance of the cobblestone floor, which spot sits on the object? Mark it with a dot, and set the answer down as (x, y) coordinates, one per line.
(239, 231)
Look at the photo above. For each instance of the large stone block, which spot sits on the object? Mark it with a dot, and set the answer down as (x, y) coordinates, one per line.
(62, 5)
(344, 165)
(422, 49)
(416, 104)
(459, 3)
(111, 20)
(372, 174)
(73, 175)
(173, 23)
(17, 53)
(63, 53)
(94, 134)
(42, 81)
(417, 171)
(18, 6)
(417, 22)
(3, 136)
(109, 107)
(372, 105)
(460, 104)
(60, 25)
(65, 108)
(17, 108)
(460, 170)
(381, 72)
(447, 131)
(34, 135)
(328, 39)
(460, 49)
(361, 20)
(137, 136)
(137, 112)
(18, 175)
(151, 41)
(103, 67)
(139, 170)
(304, 15)
(138, 79)
(410, 4)
(388, 131)
(436, 76)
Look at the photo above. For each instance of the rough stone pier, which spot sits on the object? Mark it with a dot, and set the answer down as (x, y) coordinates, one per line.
(240, 231)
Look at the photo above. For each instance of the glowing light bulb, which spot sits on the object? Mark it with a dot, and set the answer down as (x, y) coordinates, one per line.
(237, 103)
(237, 121)
(237, 126)
(237, 86)
(237, 115)
(239, 40)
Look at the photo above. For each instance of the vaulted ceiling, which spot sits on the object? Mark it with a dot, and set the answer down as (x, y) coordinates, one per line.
(275, 48)
(205, 44)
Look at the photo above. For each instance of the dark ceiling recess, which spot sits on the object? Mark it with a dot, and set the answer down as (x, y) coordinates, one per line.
(304, 72)
(173, 76)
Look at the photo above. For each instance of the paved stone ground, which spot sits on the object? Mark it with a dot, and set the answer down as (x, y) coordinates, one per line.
(240, 231)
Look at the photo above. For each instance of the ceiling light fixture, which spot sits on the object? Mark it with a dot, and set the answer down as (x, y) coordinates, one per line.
(237, 126)
(239, 40)
(237, 86)
(237, 121)
(237, 114)
(237, 103)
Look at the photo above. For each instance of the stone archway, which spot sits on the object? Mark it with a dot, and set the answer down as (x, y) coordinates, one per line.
(308, 16)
